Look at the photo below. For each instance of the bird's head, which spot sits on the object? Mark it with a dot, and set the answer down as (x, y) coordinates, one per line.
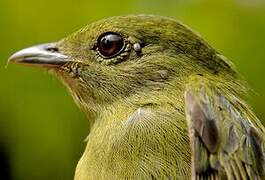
(124, 56)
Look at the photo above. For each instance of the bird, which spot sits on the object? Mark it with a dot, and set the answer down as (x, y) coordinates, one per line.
(162, 103)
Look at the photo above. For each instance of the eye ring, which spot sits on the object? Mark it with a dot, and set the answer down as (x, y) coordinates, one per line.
(110, 44)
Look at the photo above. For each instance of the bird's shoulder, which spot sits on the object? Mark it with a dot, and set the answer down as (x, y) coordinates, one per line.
(227, 139)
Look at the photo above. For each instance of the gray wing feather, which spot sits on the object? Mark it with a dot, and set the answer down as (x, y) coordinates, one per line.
(225, 144)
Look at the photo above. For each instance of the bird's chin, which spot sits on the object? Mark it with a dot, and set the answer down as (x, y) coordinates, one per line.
(84, 98)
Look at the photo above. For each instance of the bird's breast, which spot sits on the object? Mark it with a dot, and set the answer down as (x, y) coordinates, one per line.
(137, 143)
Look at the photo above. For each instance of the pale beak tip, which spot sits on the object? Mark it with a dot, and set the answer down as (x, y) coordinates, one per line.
(14, 58)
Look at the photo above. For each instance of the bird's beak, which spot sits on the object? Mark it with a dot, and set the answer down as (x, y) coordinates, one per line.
(45, 55)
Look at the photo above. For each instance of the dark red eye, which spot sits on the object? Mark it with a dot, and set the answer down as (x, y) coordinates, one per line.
(110, 44)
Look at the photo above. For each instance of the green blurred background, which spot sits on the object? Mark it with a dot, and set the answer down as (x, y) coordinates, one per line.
(42, 132)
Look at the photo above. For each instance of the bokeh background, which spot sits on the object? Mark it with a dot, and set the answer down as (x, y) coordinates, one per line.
(42, 132)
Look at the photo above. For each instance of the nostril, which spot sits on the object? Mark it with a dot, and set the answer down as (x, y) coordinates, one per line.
(52, 49)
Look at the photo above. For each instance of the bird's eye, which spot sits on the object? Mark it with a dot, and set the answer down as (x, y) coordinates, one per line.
(110, 44)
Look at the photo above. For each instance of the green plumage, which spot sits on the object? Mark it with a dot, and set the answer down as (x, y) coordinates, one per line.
(173, 110)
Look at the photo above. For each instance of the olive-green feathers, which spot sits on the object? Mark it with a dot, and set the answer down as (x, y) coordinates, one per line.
(225, 144)
(162, 103)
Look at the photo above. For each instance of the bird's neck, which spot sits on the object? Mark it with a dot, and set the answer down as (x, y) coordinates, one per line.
(168, 96)
(129, 130)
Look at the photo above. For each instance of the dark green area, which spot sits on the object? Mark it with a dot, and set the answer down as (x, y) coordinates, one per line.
(42, 131)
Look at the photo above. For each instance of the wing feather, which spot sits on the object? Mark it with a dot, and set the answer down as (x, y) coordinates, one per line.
(225, 143)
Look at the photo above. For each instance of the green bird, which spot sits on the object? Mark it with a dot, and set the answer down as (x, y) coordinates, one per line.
(162, 103)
